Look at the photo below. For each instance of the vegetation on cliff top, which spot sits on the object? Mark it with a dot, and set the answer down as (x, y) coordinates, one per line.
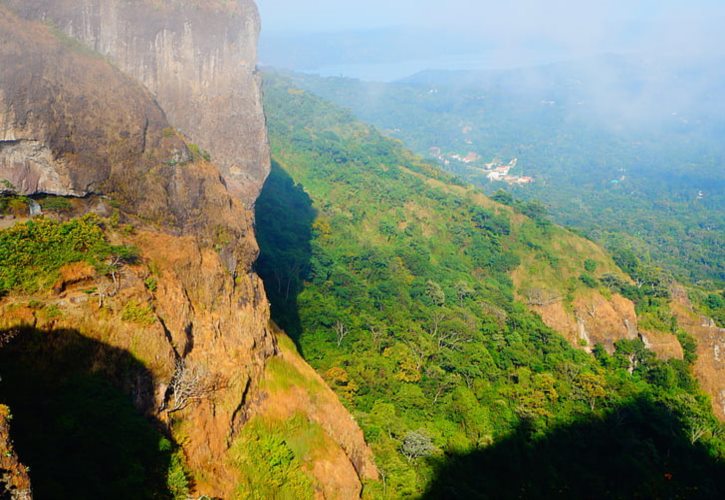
(394, 279)
(32, 253)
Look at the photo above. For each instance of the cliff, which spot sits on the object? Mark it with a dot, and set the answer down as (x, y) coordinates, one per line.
(197, 58)
(113, 139)
(188, 311)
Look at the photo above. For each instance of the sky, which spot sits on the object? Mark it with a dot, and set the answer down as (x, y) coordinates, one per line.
(580, 26)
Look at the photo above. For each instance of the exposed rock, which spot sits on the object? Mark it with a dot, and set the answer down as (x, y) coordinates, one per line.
(63, 133)
(14, 480)
(710, 364)
(664, 344)
(595, 319)
(198, 59)
(112, 138)
(73, 124)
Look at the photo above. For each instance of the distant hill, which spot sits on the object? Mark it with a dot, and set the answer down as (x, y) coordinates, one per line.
(624, 149)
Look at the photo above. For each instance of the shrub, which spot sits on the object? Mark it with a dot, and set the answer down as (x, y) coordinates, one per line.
(588, 280)
(136, 312)
(56, 204)
(590, 265)
(31, 254)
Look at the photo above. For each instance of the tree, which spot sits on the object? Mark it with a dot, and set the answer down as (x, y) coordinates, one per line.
(463, 291)
(339, 379)
(416, 444)
(591, 388)
(378, 333)
(435, 293)
(341, 331)
(190, 384)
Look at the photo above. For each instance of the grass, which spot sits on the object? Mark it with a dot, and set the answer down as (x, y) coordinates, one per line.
(281, 376)
(273, 455)
(136, 312)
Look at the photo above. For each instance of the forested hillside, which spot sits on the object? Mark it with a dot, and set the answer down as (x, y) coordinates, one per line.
(396, 282)
(618, 147)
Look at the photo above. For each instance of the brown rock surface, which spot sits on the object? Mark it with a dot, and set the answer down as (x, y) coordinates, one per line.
(710, 364)
(104, 133)
(595, 319)
(197, 58)
(14, 480)
(62, 131)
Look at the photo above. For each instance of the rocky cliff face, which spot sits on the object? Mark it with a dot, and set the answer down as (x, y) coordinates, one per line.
(113, 139)
(197, 58)
(73, 124)
(594, 319)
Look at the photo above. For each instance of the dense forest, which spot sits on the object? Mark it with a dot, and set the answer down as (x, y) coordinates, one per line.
(614, 152)
(394, 279)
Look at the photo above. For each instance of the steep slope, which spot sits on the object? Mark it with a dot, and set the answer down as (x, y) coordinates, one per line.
(143, 280)
(197, 58)
(415, 297)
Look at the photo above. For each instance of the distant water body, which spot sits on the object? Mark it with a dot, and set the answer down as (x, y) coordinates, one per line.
(398, 70)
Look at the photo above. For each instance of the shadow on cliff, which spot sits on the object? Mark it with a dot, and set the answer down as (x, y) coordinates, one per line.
(636, 451)
(74, 425)
(284, 218)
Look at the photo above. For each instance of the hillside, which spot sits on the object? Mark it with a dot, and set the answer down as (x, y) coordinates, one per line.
(177, 323)
(415, 297)
(626, 150)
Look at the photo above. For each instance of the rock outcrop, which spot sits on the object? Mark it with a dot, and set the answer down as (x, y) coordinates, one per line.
(584, 316)
(197, 58)
(103, 133)
(710, 363)
(72, 123)
(593, 319)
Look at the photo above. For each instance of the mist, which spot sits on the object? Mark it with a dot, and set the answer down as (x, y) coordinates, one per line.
(506, 33)
(626, 63)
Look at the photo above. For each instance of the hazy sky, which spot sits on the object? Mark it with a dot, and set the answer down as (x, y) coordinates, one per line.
(581, 25)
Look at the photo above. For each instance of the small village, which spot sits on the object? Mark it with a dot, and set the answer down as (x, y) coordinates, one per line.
(495, 170)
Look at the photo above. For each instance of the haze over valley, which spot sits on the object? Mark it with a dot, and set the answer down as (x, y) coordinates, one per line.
(362, 249)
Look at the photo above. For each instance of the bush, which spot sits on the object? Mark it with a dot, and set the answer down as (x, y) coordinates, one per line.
(588, 280)
(136, 312)
(56, 204)
(31, 254)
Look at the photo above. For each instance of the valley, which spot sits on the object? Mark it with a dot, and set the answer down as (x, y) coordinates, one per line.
(606, 159)
(220, 281)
